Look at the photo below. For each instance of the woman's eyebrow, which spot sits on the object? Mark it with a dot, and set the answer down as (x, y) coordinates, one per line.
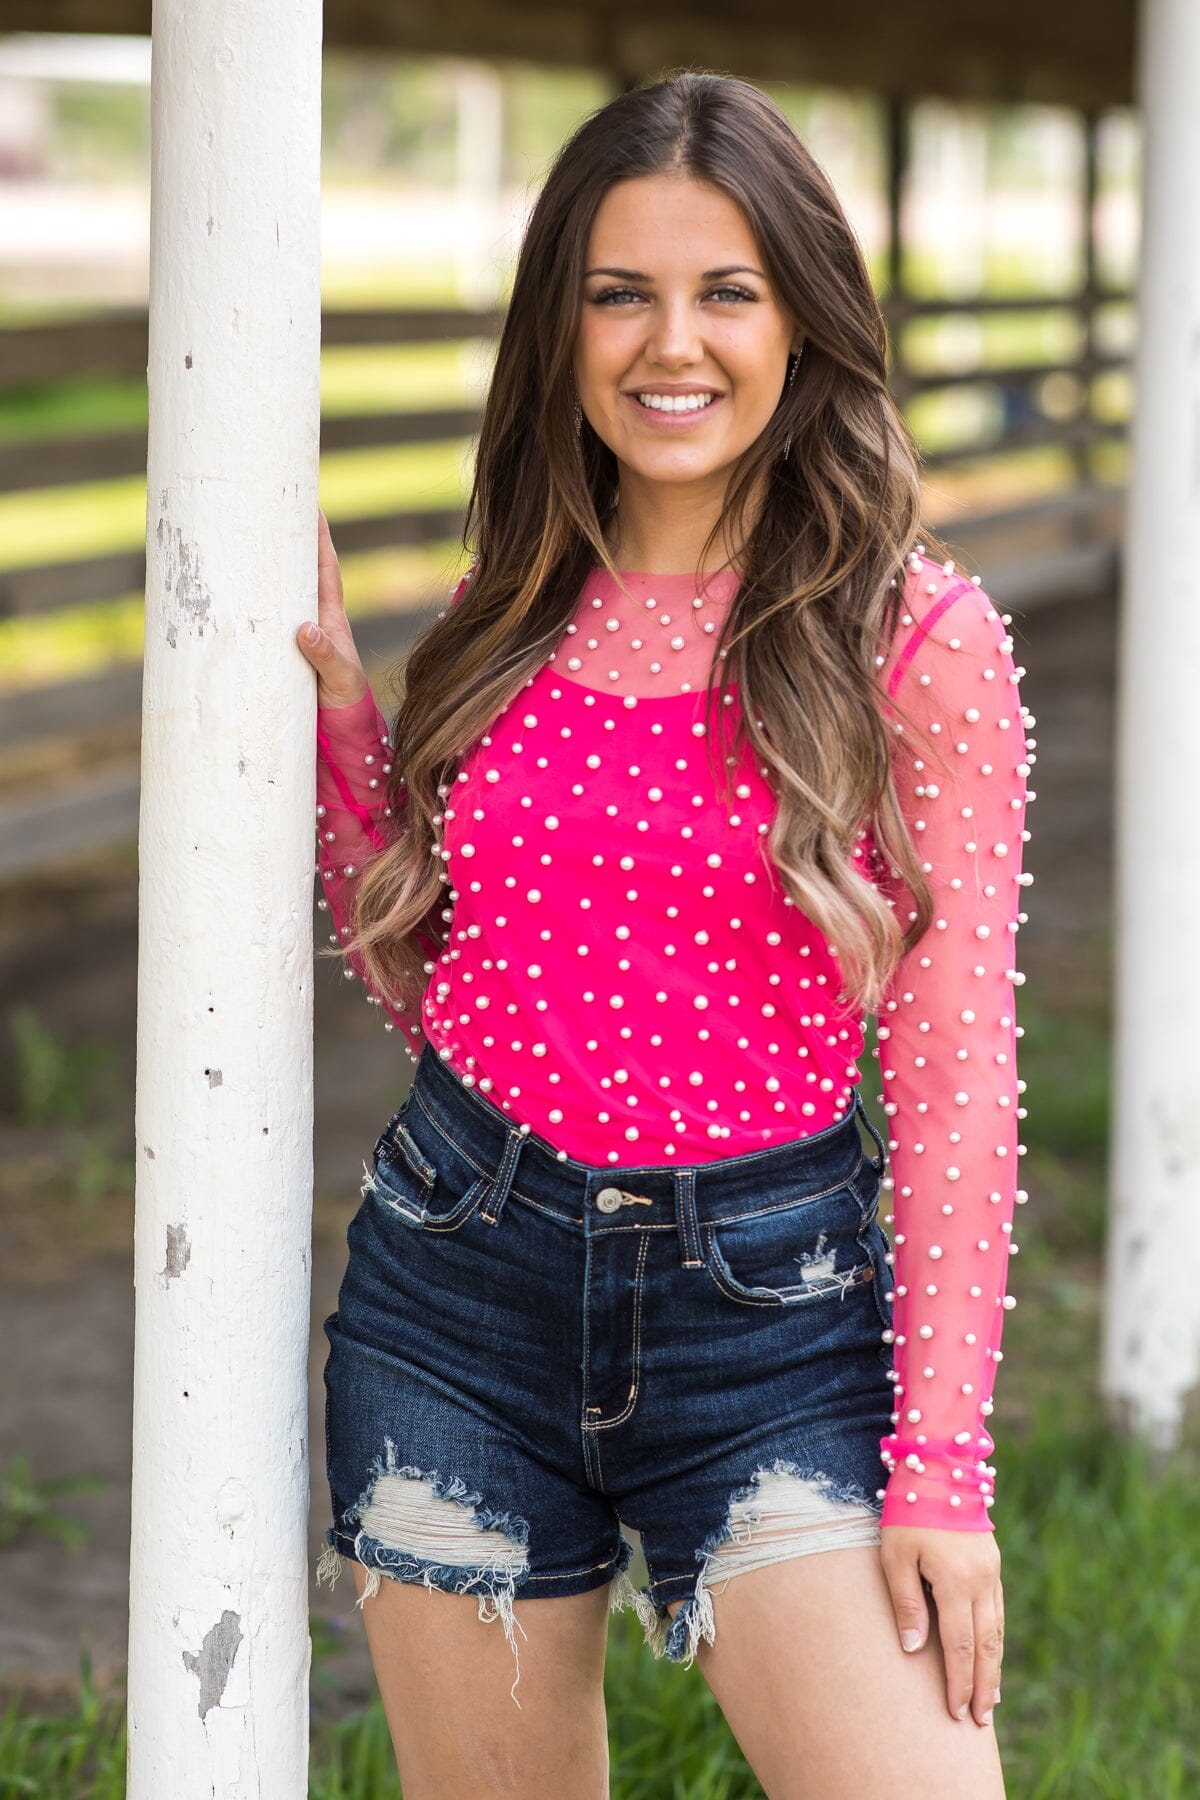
(708, 275)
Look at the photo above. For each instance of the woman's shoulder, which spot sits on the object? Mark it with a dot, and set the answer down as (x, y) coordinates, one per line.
(944, 614)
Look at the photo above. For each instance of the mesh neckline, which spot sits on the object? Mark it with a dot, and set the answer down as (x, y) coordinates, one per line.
(577, 666)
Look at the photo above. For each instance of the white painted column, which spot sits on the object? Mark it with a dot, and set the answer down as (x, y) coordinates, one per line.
(479, 177)
(219, 1647)
(1151, 1354)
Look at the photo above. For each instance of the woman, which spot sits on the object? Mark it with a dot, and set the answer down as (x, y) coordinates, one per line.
(708, 758)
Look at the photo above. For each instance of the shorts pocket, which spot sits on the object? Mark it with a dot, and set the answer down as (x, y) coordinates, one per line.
(790, 1255)
(428, 1194)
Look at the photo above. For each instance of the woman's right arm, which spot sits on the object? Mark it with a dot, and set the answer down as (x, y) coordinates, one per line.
(353, 756)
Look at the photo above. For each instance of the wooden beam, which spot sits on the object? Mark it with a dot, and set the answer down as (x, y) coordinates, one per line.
(62, 462)
(1077, 52)
(46, 587)
(116, 343)
(101, 810)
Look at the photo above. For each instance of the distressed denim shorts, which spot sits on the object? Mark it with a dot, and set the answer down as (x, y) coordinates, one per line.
(529, 1353)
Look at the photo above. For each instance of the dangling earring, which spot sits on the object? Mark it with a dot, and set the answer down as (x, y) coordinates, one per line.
(578, 411)
(795, 364)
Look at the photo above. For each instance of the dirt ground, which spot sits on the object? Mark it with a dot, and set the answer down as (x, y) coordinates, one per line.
(68, 950)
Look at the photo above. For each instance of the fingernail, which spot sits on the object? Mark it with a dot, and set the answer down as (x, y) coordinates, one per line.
(311, 634)
(910, 1639)
(987, 1717)
(963, 1710)
(996, 1697)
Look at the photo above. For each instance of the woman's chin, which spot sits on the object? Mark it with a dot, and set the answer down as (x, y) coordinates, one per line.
(673, 463)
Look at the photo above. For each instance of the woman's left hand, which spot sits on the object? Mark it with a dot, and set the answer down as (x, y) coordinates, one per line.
(963, 1569)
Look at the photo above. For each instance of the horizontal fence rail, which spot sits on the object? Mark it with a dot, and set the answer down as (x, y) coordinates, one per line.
(117, 343)
(1065, 542)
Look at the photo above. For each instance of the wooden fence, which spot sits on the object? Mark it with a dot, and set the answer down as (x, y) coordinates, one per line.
(1066, 541)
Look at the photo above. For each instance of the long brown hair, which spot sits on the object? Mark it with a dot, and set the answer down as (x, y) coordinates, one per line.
(822, 564)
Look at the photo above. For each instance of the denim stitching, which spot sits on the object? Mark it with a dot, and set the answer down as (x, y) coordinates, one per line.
(689, 1226)
(603, 1424)
(339, 1532)
(570, 1574)
(549, 1211)
(461, 1212)
(758, 1212)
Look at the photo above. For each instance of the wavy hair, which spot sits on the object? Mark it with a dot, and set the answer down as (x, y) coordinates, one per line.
(824, 531)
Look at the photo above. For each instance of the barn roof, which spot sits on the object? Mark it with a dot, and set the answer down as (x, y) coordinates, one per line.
(1073, 52)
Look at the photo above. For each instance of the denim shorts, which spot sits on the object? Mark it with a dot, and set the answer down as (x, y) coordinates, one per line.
(529, 1352)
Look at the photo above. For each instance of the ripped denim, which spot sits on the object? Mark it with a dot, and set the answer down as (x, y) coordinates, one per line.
(529, 1354)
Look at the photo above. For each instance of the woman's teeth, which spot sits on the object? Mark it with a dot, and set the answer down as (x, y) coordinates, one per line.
(676, 402)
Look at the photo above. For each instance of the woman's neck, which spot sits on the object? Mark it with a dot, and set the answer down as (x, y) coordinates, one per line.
(664, 533)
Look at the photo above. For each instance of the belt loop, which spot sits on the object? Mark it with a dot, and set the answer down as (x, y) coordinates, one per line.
(685, 1218)
(881, 1164)
(503, 1179)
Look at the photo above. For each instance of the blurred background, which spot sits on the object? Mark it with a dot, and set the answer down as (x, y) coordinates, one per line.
(997, 200)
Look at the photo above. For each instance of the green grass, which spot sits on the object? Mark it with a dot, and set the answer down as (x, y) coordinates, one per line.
(56, 1081)
(1102, 1579)
(28, 1507)
(78, 1754)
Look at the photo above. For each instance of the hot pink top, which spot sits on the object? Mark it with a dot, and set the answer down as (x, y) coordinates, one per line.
(625, 975)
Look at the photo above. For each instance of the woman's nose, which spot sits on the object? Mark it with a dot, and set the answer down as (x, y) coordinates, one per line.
(675, 335)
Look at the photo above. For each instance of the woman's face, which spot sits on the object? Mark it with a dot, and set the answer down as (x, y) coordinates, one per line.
(676, 303)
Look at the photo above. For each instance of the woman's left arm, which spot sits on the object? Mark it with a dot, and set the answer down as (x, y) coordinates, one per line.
(947, 1048)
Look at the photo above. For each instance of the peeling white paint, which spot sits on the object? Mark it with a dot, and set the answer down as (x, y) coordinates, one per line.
(211, 1667)
(179, 1252)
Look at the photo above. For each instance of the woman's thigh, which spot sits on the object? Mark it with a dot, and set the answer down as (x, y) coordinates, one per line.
(446, 1682)
(806, 1666)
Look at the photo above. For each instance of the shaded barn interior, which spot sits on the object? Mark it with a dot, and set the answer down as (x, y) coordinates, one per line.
(1076, 53)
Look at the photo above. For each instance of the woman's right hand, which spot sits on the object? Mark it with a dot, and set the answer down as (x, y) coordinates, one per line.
(340, 677)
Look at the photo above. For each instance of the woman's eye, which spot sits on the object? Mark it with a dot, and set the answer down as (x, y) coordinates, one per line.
(725, 293)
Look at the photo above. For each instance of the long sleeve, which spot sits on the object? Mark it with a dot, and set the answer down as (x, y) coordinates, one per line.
(947, 1044)
(354, 823)
(353, 763)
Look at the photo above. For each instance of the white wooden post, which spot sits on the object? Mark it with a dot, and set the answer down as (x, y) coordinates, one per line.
(219, 1647)
(479, 165)
(1151, 1353)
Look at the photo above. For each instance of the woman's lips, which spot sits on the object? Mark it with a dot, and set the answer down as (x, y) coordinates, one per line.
(671, 421)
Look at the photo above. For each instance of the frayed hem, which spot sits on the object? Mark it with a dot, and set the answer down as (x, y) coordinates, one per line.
(856, 1523)
(653, 1617)
(495, 1578)
(330, 1565)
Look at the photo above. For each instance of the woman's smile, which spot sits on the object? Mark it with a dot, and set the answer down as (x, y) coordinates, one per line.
(661, 409)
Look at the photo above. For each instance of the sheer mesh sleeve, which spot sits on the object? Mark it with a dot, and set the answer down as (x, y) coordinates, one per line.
(354, 821)
(353, 818)
(947, 1043)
